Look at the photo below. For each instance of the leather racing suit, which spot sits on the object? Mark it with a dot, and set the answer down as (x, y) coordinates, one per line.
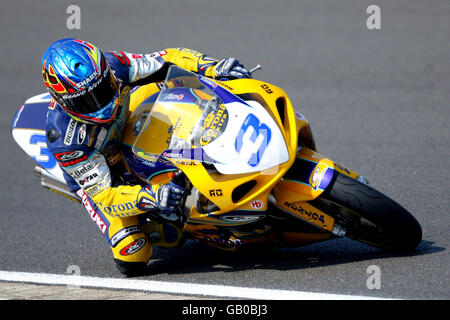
(90, 156)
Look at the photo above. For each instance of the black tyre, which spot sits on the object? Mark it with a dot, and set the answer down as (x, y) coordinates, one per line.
(369, 216)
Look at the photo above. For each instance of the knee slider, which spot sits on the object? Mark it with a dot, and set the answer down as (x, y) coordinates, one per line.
(133, 248)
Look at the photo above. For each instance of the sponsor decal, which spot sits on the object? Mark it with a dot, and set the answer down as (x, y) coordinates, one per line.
(101, 138)
(95, 84)
(73, 162)
(133, 247)
(172, 155)
(342, 168)
(186, 163)
(69, 155)
(124, 94)
(214, 124)
(316, 176)
(222, 83)
(86, 81)
(216, 193)
(70, 132)
(92, 212)
(78, 172)
(75, 95)
(97, 188)
(90, 88)
(256, 204)
(208, 81)
(146, 204)
(88, 179)
(266, 88)
(241, 218)
(121, 207)
(81, 134)
(311, 215)
(174, 96)
(122, 234)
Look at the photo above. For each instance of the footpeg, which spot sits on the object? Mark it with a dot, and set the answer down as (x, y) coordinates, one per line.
(154, 236)
(338, 231)
(363, 179)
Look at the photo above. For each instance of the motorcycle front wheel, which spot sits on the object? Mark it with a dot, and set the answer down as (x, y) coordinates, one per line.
(369, 216)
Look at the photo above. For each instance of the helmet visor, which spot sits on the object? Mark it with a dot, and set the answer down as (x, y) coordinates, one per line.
(93, 98)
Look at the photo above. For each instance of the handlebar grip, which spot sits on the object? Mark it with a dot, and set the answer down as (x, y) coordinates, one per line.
(179, 179)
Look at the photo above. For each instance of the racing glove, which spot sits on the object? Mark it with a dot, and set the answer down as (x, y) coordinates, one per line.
(231, 68)
(164, 197)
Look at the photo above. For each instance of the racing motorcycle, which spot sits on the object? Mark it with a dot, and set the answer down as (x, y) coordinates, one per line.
(248, 162)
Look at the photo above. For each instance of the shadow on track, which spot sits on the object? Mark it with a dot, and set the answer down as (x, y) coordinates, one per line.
(195, 257)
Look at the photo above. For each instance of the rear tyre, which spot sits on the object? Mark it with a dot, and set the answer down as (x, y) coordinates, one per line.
(369, 216)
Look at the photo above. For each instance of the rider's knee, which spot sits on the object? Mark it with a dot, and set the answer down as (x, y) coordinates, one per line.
(131, 249)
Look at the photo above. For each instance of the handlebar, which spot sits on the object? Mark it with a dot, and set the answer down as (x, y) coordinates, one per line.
(180, 179)
(257, 67)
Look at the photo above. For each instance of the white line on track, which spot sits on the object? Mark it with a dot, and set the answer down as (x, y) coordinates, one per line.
(206, 290)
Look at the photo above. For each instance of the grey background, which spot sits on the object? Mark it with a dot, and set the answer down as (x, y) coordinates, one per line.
(377, 100)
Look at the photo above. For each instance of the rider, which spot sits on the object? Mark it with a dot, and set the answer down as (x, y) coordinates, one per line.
(85, 121)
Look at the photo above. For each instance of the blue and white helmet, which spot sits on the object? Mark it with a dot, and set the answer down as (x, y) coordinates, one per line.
(79, 78)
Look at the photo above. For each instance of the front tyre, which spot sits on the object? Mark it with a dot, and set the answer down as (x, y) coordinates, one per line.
(369, 216)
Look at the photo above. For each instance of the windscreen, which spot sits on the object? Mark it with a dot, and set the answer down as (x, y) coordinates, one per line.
(186, 116)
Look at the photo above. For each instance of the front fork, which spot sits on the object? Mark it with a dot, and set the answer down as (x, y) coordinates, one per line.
(305, 181)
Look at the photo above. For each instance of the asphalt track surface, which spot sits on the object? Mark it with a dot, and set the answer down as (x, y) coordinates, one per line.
(377, 100)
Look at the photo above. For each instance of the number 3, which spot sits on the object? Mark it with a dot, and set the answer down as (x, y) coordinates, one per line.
(251, 121)
(45, 158)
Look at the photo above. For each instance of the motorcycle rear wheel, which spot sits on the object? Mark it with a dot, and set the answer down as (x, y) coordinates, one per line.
(369, 216)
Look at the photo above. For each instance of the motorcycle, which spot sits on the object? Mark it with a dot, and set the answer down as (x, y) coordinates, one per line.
(248, 162)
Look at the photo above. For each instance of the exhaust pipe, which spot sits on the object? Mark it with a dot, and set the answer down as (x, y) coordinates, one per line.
(49, 182)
